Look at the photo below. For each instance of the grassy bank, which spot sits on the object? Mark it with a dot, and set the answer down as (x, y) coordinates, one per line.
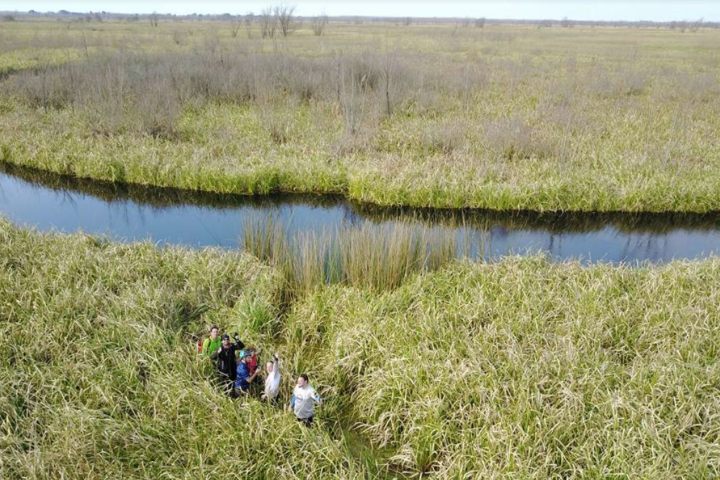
(501, 117)
(516, 369)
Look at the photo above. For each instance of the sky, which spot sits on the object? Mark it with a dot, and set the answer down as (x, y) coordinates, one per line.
(654, 10)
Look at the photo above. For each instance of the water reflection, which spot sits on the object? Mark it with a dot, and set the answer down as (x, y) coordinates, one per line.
(169, 216)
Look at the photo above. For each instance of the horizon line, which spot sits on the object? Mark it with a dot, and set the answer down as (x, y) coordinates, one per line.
(392, 17)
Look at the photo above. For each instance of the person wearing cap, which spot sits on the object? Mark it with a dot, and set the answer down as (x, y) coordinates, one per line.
(226, 364)
(243, 377)
(303, 400)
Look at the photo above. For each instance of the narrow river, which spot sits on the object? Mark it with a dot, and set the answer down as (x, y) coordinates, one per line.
(131, 213)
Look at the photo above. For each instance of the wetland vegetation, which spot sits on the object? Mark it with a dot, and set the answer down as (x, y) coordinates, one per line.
(519, 368)
(504, 117)
(428, 365)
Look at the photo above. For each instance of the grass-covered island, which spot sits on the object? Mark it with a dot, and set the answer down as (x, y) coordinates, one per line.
(429, 114)
(515, 369)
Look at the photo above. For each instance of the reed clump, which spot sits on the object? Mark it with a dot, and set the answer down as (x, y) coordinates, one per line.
(358, 256)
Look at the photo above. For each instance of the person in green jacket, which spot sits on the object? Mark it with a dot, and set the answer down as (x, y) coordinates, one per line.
(213, 342)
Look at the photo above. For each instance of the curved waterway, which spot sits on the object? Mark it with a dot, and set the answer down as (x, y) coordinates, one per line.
(131, 213)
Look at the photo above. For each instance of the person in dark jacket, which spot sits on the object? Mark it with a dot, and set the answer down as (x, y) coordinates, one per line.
(226, 364)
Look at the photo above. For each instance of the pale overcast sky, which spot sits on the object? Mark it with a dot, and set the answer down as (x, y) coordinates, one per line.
(656, 10)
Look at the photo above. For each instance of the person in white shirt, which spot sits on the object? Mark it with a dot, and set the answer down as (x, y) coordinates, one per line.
(272, 381)
(303, 400)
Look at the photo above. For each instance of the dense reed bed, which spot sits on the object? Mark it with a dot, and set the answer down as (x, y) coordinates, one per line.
(100, 376)
(519, 368)
(525, 369)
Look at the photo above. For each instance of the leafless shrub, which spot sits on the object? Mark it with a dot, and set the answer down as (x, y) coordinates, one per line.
(357, 81)
(389, 70)
(268, 23)
(319, 24)
(385, 77)
(284, 18)
(8, 18)
(248, 22)
(44, 87)
(116, 86)
(157, 111)
(352, 103)
(235, 27)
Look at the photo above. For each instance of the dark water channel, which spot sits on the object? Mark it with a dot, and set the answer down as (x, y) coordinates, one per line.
(131, 213)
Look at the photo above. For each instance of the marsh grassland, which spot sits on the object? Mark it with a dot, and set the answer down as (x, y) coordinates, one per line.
(500, 117)
(429, 366)
(517, 369)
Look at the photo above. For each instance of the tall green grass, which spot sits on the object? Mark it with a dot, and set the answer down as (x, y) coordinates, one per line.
(526, 369)
(101, 380)
(515, 369)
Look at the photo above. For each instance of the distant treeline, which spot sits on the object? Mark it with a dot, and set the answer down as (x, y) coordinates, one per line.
(683, 25)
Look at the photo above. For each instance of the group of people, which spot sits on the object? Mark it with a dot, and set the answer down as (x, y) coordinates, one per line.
(238, 373)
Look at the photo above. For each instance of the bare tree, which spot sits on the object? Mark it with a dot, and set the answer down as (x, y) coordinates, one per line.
(235, 25)
(249, 19)
(268, 23)
(695, 26)
(154, 19)
(284, 17)
(319, 24)
(388, 73)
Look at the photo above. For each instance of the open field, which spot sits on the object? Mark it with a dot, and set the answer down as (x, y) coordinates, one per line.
(515, 369)
(500, 117)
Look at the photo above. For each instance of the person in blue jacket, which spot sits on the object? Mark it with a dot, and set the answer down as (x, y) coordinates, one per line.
(243, 377)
